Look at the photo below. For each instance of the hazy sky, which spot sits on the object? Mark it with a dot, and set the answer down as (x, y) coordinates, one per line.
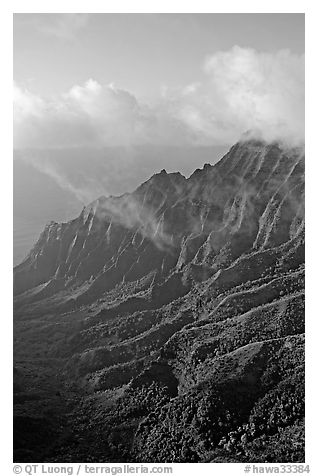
(138, 52)
(135, 79)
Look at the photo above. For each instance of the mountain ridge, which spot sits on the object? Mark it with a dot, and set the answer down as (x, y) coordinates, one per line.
(161, 302)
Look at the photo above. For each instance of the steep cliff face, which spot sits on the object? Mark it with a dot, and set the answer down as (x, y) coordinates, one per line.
(252, 199)
(168, 300)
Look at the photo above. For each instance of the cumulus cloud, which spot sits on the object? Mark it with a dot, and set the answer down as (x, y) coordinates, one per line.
(85, 116)
(243, 90)
(247, 91)
(90, 115)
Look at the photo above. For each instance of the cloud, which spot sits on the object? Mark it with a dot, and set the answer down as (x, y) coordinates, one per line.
(85, 116)
(246, 91)
(90, 115)
(243, 90)
(132, 213)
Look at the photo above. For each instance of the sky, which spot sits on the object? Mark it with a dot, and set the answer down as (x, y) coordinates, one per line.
(141, 53)
(104, 101)
(99, 80)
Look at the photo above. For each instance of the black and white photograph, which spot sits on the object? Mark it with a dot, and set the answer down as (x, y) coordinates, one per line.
(158, 239)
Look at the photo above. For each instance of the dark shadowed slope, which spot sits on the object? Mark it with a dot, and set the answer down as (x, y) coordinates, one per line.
(167, 324)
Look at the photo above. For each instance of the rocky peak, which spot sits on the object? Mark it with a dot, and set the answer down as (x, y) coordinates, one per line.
(228, 206)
